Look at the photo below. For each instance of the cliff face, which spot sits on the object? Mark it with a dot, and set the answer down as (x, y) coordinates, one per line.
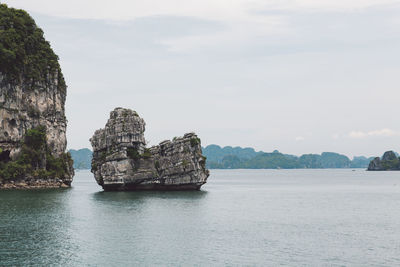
(122, 162)
(23, 108)
(32, 98)
(388, 162)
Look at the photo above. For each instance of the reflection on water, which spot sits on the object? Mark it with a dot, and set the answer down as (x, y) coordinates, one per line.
(241, 217)
(139, 195)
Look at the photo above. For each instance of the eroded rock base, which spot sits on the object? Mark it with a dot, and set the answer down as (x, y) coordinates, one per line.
(152, 187)
(35, 184)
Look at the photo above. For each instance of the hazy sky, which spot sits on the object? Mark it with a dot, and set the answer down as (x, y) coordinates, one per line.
(300, 76)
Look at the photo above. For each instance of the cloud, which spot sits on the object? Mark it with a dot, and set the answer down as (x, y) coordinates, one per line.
(132, 9)
(244, 21)
(334, 5)
(376, 133)
(234, 34)
(210, 9)
(236, 16)
(299, 138)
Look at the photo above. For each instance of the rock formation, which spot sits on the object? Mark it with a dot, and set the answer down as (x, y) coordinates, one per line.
(32, 98)
(389, 162)
(121, 160)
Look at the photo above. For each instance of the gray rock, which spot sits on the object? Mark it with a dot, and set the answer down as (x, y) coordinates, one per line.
(32, 95)
(121, 160)
(23, 107)
(375, 164)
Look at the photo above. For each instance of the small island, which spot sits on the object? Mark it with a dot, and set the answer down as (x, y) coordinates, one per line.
(388, 162)
(121, 161)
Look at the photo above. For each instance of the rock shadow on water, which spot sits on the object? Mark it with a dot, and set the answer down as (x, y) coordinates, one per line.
(36, 194)
(123, 196)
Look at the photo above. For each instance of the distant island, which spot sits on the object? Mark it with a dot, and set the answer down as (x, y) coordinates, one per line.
(82, 158)
(390, 161)
(247, 158)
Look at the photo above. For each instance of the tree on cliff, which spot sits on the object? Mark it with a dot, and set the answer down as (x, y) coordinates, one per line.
(24, 52)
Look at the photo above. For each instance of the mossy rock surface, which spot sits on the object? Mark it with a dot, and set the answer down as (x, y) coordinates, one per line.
(35, 160)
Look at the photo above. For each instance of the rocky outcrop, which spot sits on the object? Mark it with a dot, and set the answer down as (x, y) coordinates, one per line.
(375, 164)
(121, 160)
(32, 98)
(388, 162)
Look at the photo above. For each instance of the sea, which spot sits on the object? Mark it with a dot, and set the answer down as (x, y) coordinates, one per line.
(319, 217)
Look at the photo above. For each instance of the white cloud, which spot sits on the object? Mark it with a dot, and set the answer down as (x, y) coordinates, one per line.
(210, 9)
(299, 138)
(376, 133)
(128, 9)
(243, 19)
(235, 34)
(337, 4)
(241, 23)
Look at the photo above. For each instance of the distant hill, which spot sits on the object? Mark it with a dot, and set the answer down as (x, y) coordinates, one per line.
(247, 158)
(215, 153)
(82, 158)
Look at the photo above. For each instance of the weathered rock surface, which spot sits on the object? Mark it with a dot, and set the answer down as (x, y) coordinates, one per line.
(22, 108)
(388, 162)
(121, 160)
(32, 95)
(35, 184)
(375, 164)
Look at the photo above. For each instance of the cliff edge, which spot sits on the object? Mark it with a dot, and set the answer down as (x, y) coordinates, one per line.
(32, 114)
(121, 160)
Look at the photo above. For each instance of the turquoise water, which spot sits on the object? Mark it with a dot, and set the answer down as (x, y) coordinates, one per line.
(241, 217)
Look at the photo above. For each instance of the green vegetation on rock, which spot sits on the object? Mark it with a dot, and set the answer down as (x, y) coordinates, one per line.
(194, 141)
(146, 154)
(389, 162)
(35, 160)
(135, 155)
(25, 55)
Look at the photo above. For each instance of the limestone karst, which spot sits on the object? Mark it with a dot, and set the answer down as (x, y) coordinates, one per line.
(388, 162)
(121, 160)
(32, 114)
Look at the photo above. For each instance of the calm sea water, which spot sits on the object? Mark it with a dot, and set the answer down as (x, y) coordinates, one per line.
(241, 217)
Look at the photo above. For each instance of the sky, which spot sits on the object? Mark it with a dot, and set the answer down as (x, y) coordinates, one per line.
(299, 76)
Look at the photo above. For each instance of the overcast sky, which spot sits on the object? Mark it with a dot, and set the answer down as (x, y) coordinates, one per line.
(300, 76)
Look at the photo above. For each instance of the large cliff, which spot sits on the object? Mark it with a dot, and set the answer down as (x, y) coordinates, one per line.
(32, 114)
(121, 160)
